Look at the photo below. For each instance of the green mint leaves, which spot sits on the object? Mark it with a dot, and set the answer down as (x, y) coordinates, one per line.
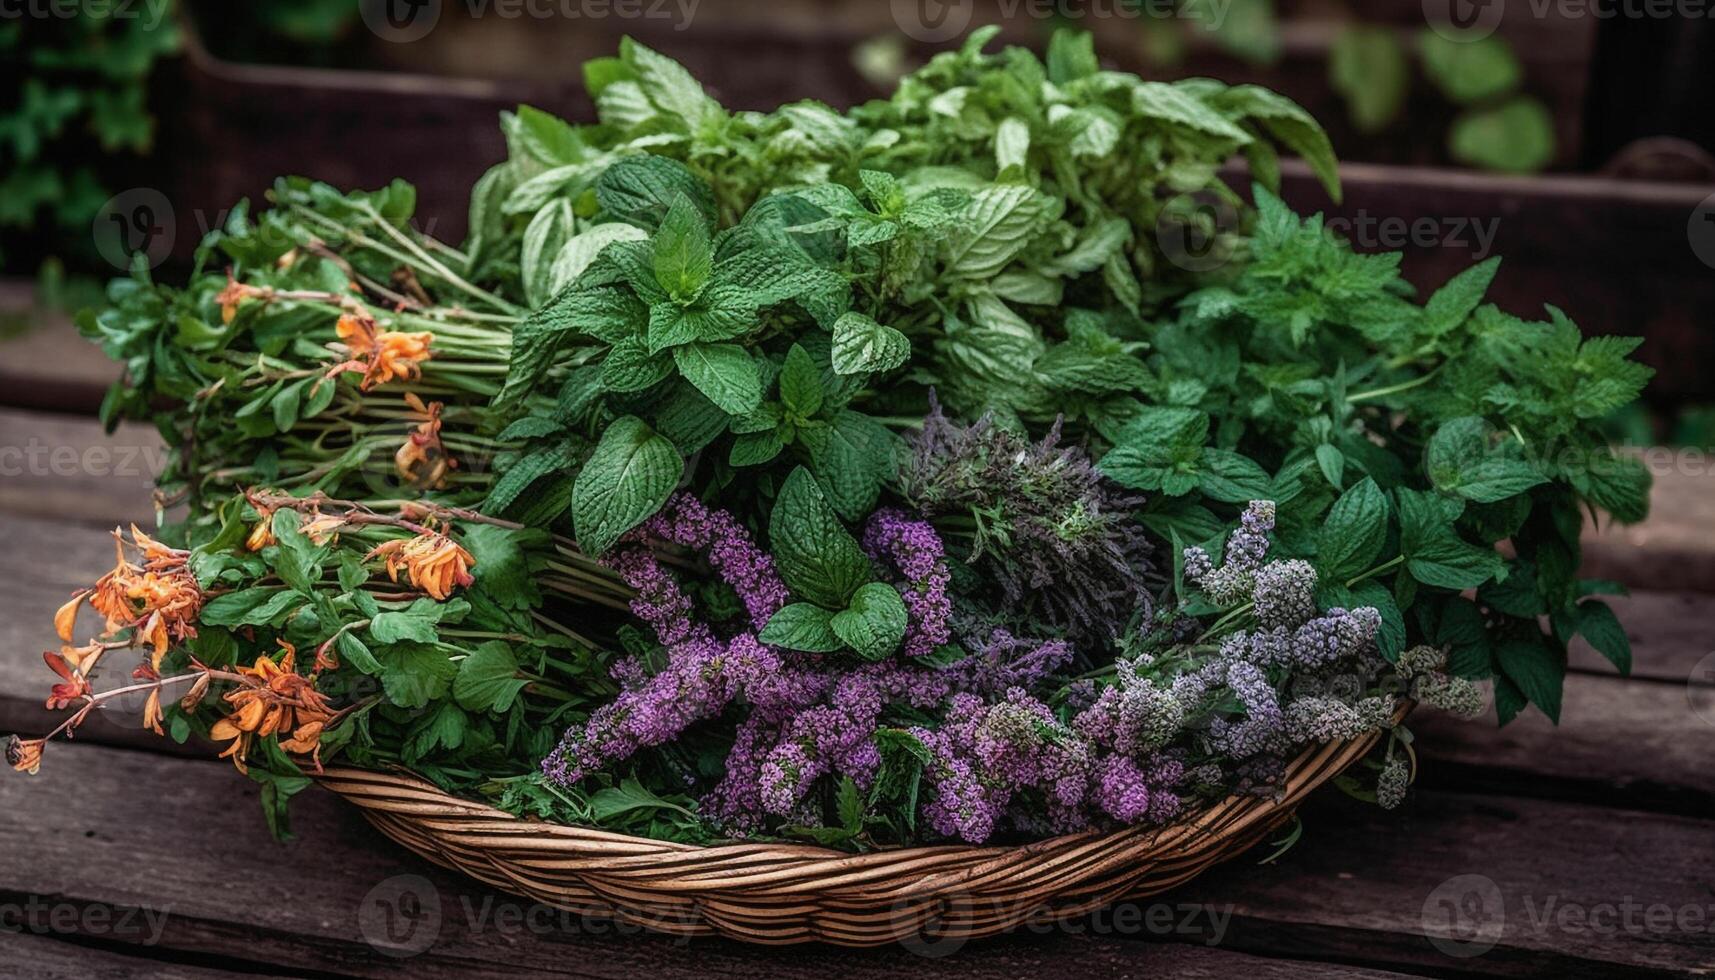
(822, 563)
(629, 476)
(818, 557)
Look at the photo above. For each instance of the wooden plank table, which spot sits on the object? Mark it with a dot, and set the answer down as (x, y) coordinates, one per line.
(1587, 851)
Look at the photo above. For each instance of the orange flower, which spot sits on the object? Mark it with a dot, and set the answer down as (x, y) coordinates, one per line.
(233, 294)
(84, 657)
(72, 687)
(380, 356)
(434, 562)
(65, 620)
(152, 714)
(158, 599)
(25, 754)
(423, 461)
(274, 700)
(262, 535)
(321, 529)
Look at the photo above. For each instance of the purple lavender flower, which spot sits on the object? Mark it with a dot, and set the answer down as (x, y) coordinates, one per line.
(1000, 661)
(1233, 582)
(913, 550)
(697, 681)
(1132, 717)
(1284, 593)
(686, 521)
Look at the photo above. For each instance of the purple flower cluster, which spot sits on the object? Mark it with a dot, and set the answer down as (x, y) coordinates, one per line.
(1339, 634)
(1133, 715)
(702, 673)
(816, 722)
(1001, 753)
(1234, 582)
(986, 756)
(913, 550)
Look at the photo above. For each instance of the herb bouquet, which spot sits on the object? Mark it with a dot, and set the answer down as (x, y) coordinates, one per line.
(751, 488)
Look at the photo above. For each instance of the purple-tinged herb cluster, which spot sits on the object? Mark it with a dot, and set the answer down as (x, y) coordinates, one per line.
(913, 550)
(1235, 581)
(702, 671)
(988, 757)
(1058, 540)
(994, 743)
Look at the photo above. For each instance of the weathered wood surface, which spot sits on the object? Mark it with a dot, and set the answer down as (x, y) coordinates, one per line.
(44, 362)
(1353, 891)
(66, 467)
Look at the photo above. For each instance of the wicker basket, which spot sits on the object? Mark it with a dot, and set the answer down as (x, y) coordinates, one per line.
(789, 893)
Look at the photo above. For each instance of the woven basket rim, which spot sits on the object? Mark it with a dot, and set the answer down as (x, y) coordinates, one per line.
(434, 799)
(788, 892)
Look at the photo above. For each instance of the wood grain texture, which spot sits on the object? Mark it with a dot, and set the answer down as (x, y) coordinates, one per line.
(1367, 886)
(44, 362)
(1666, 731)
(41, 953)
(201, 854)
(65, 466)
(1675, 548)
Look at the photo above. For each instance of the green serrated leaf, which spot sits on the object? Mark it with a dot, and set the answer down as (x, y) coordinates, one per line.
(628, 477)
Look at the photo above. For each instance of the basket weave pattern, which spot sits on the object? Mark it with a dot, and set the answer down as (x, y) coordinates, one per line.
(791, 893)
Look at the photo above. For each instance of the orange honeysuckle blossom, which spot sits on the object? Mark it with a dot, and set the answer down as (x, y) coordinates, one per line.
(159, 598)
(434, 562)
(322, 528)
(73, 686)
(235, 293)
(423, 461)
(81, 657)
(379, 355)
(274, 701)
(262, 535)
